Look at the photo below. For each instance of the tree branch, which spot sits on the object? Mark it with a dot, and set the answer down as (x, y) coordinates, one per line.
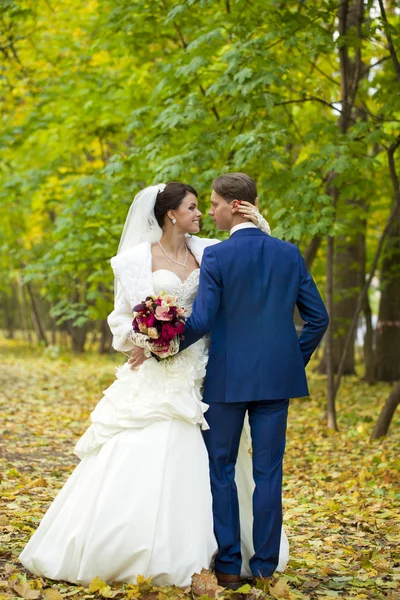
(332, 105)
(358, 62)
(328, 77)
(378, 62)
(344, 66)
(310, 99)
(184, 46)
(392, 50)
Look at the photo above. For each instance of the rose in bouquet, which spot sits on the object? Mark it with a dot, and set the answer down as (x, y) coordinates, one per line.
(160, 322)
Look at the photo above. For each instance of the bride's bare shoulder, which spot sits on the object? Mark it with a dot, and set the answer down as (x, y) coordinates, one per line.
(156, 250)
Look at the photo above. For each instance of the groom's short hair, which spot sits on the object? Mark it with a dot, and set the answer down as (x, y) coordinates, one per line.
(235, 186)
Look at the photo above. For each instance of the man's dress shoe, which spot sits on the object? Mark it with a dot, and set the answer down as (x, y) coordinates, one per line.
(226, 580)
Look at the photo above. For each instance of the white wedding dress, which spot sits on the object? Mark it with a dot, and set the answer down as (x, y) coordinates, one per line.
(140, 502)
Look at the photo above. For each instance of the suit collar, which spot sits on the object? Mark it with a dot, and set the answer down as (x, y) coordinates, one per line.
(242, 226)
(250, 231)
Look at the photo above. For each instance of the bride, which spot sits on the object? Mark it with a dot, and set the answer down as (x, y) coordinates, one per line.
(139, 502)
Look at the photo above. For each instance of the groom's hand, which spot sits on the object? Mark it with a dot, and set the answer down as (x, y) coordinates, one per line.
(137, 357)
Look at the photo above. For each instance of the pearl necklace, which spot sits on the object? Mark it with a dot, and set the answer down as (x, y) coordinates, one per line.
(184, 264)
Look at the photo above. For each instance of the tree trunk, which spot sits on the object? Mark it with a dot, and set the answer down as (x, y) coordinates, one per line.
(346, 267)
(9, 304)
(25, 313)
(391, 219)
(368, 348)
(346, 285)
(53, 332)
(311, 251)
(78, 337)
(64, 337)
(37, 318)
(369, 352)
(388, 326)
(382, 425)
(394, 214)
(329, 347)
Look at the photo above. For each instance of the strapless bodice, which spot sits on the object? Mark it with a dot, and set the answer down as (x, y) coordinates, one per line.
(185, 291)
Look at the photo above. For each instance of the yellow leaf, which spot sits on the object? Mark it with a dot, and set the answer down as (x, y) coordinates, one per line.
(96, 584)
(280, 590)
(13, 473)
(52, 594)
(41, 482)
(362, 476)
(25, 591)
(106, 592)
(245, 589)
(206, 584)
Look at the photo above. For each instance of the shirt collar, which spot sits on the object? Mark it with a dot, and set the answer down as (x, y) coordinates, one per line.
(242, 226)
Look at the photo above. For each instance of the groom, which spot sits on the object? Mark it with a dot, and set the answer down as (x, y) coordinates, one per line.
(249, 287)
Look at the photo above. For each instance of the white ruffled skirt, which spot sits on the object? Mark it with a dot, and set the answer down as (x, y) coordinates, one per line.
(139, 502)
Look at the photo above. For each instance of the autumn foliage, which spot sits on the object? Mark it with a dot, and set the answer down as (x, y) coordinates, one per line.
(341, 491)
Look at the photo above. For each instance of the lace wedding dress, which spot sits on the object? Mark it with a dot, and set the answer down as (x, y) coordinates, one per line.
(140, 502)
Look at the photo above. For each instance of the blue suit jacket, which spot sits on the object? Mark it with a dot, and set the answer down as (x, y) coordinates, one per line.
(249, 286)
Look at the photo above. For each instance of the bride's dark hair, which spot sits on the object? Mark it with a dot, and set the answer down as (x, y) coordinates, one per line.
(170, 199)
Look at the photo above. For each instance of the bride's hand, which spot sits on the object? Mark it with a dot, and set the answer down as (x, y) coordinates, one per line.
(249, 211)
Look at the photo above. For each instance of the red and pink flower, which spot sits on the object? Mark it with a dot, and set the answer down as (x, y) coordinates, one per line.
(159, 318)
(163, 313)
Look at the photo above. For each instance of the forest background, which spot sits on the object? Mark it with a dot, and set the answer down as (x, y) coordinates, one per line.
(102, 98)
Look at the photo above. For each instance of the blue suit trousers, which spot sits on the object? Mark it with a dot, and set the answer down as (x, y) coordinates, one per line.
(268, 431)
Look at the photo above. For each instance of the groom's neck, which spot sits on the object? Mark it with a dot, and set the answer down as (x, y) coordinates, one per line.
(237, 220)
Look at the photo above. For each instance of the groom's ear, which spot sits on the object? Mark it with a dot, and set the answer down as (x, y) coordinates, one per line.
(235, 206)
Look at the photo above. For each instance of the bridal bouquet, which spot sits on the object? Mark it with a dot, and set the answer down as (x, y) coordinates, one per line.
(159, 322)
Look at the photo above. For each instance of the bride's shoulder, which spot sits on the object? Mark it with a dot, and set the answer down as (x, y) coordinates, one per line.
(203, 242)
(131, 256)
(197, 246)
(197, 242)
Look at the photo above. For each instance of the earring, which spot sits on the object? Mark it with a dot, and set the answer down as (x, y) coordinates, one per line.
(173, 221)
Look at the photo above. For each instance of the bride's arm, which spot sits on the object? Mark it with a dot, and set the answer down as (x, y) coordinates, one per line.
(125, 339)
(120, 322)
(251, 212)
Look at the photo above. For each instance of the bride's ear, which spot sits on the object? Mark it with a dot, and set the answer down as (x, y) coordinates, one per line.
(256, 202)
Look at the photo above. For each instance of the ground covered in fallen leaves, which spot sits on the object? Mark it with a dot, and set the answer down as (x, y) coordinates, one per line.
(341, 491)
